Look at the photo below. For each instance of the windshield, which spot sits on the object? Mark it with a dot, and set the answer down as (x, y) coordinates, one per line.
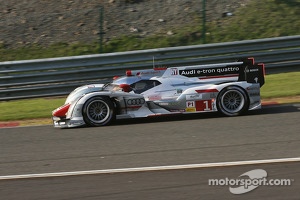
(143, 85)
(111, 87)
(129, 79)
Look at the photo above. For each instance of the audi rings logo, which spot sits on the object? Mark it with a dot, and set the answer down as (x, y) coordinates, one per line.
(139, 101)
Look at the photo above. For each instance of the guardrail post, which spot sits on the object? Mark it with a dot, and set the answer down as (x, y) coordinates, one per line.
(204, 21)
(101, 33)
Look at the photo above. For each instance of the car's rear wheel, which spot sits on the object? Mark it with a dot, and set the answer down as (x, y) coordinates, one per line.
(98, 111)
(232, 101)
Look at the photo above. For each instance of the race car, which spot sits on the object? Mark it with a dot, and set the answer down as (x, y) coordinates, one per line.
(230, 88)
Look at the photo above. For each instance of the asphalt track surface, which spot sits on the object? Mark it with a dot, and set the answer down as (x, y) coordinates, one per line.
(270, 133)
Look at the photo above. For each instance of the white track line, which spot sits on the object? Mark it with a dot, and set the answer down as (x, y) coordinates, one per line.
(145, 169)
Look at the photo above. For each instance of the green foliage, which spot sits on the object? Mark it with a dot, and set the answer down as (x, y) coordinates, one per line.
(127, 43)
(259, 19)
(55, 50)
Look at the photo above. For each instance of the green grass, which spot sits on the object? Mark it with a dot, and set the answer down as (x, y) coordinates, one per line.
(259, 19)
(29, 108)
(281, 85)
(277, 85)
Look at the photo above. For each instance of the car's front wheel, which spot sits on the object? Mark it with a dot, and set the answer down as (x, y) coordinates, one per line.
(98, 111)
(232, 101)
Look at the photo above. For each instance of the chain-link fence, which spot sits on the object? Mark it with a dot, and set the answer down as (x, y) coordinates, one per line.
(43, 22)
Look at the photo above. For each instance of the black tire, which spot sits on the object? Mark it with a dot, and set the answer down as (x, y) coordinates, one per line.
(98, 111)
(232, 101)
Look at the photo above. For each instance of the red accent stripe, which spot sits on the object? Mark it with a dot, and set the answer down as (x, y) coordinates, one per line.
(160, 68)
(207, 91)
(263, 67)
(253, 61)
(61, 111)
(224, 76)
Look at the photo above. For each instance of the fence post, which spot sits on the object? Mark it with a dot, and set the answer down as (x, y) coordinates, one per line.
(204, 20)
(101, 10)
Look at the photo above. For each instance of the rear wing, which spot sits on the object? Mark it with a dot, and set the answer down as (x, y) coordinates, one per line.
(251, 72)
(242, 70)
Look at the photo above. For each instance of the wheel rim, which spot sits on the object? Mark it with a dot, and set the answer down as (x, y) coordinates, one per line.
(233, 101)
(98, 111)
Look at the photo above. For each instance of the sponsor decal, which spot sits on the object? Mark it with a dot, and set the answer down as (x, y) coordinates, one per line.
(209, 71)
(174, 110)
(139, 101)
(190, 104)
(190, 109)
(150, 72)
(251, 70)
(164, 104)
(173, 103)
(205, 105)
(174, 71)
(193, 96)
(154, 97)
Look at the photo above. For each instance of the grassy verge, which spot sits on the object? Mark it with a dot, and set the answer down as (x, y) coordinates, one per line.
(29, 108)
(277, 85)
(281, 85)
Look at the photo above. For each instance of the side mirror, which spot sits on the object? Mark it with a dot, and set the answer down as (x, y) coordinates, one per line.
(125, 87)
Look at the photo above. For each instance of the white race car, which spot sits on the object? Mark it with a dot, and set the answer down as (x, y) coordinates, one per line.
(230, 88)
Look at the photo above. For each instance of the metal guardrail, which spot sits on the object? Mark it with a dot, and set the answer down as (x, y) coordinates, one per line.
(59, 76)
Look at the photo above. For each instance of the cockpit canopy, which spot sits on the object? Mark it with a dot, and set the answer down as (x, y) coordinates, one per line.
(137, 84)
(143, 85)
